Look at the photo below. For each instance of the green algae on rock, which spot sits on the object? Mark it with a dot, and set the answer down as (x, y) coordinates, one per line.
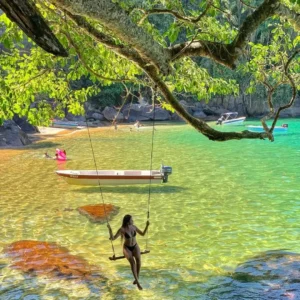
(43, 258)
(98, 213)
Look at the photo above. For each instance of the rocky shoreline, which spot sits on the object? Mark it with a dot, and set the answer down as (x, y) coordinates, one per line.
(18, 132)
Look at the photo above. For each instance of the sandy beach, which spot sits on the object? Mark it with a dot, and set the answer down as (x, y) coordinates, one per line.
(48, 133)
(50, 130)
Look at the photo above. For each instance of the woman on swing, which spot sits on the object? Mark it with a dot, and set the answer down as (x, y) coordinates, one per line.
(131, 249)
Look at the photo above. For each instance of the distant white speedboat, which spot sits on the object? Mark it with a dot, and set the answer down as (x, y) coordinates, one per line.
(115, 177)
(230, 118)
(277, 129)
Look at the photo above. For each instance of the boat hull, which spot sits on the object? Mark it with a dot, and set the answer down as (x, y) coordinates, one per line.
(237, 121)
(279, 129)
(111, 177)
(62, 124)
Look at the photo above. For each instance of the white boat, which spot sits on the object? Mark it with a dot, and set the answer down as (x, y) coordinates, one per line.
(230, 118)
(277, 129)
(64, 124)
(115, 177)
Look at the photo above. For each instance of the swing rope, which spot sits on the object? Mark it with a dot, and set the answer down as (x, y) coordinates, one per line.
(151, 160)
(99, 183)
(150, 180)
(114, 257)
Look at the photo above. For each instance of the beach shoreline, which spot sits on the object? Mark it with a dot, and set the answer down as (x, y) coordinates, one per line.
(48, 133)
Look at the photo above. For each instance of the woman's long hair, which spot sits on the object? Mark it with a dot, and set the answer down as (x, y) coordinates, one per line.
(125, 223)
(126, 220)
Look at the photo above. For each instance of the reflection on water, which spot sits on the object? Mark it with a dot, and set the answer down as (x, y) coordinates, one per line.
(142, 189)
(223, 204)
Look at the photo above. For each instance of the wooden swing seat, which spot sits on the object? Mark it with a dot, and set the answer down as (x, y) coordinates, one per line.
(122, 256)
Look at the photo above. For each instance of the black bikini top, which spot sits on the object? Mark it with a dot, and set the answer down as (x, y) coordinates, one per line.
(127, 236)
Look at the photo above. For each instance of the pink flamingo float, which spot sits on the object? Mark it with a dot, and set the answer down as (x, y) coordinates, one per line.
(60, 154)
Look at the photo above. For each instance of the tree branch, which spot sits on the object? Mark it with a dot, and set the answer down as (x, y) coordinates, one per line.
(28, 18)
(219, 52)
(248, 5)
(174, 13)
(294, 89)
(227, 54)
(113, 17)
(104, 39)
(198, 124)
(151, 57)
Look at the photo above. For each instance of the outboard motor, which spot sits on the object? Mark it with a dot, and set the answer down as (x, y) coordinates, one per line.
(166, 170)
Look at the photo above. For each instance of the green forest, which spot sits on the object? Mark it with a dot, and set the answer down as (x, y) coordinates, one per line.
(67, 52)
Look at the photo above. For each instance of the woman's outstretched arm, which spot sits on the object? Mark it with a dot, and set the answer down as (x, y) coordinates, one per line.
(111, 236)
(142, 233)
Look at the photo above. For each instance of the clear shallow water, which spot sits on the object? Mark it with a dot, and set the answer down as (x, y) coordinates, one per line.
(224, 204)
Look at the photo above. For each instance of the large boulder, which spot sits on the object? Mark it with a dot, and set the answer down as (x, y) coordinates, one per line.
(199, 114)
(175, 117)
(24, 125)
(98, 116)
(159, 114)
(137, 112)
(11, 135)
(291, 112)
(214, 110)
(188, 107)
(111, 114)
(74, 118)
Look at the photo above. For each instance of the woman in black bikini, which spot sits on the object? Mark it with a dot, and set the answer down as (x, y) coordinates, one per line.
(131, 249)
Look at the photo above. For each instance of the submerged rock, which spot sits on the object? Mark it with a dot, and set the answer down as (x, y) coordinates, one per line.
(98, 213)
(43, 258)
(270, 275)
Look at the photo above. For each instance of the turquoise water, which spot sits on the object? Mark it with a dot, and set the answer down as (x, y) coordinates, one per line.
(224, 204)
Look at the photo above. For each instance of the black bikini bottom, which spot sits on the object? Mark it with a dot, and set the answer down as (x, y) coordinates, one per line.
(131, 248)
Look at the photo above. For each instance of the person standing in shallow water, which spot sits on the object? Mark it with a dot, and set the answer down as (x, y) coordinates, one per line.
(131, 249)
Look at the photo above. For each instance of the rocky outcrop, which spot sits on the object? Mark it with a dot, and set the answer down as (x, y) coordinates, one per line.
(137, 112)
(11, 135)
(24, 125)
(111, 114)
(250, 106)
(245, 105)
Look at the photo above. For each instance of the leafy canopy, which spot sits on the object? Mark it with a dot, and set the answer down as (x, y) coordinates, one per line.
(158, 43)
